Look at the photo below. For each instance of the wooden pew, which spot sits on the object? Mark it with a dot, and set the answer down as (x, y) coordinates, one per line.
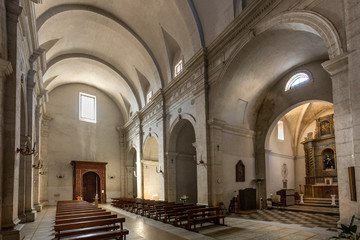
(78, 227)
(201, 215)
(83, 219)
(81, 215)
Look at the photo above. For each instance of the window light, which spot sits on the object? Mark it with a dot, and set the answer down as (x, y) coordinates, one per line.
(280, 127)
(148, 96)
(178, 68)
(87, 107)
(296, 80)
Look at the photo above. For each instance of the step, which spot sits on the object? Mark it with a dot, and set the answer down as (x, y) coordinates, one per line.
(309, 209)
(319, 205)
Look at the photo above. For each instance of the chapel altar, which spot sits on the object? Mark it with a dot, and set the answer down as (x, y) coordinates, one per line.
(320, 160)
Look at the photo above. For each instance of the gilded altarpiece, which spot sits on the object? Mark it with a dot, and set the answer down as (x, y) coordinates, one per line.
(320, 160)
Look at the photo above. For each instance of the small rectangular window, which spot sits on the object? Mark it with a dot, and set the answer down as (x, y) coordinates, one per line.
(148, 96)
(178, 68)
(280, 126)
(87, 108)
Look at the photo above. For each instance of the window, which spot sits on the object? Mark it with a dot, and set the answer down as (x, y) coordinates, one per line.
(148, 96)
(296, 80)
(87, 107)
(178, 68)
(280, 127)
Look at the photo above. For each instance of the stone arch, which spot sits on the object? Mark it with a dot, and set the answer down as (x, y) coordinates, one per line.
(150, 167)
(182, 166)
(318, 23)
(132, 173)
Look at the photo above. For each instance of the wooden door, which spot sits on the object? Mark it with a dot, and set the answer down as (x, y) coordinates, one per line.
(91, 186)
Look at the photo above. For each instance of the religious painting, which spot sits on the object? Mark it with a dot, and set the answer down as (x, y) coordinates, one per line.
(240, 171)
(325, 128)
(328, 159)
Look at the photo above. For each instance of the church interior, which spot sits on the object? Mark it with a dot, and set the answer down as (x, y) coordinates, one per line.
(242, 113)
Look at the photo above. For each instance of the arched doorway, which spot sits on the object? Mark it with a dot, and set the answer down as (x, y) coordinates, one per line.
(150, 169)
(182, 148)
(91, 186)
(300, 152)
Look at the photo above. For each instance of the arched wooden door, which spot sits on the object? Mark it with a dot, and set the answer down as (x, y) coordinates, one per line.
(91, 186)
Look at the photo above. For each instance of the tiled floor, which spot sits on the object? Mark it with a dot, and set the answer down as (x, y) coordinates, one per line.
(145, 228)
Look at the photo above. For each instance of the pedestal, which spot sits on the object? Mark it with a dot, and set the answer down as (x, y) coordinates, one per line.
(333, 200)
(301, 198)
(14, 233)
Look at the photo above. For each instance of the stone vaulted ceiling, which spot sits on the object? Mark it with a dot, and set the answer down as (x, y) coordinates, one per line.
(125, 48)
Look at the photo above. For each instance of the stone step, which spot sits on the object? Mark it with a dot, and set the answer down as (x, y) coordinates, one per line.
(309, 209)
(319, 205)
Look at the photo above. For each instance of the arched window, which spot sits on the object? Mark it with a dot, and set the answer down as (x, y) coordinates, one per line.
(297, 79)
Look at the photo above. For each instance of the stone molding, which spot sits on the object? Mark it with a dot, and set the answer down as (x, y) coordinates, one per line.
(231, 129)
(336, 65)
(5, 67)
(274, 154)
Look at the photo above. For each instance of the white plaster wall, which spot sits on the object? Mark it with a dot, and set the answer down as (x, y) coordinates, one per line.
(71, 139)
(281, 152)
(233, 149)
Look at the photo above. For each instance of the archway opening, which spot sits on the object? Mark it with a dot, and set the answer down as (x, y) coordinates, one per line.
(150, 169)
(186, 169)
(301, 155)
(91, 186)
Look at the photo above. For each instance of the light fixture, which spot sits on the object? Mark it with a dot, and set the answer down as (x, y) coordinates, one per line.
(160, 171)
(135, 174)
(38, 166)
(44, 172)
(201, 162)
(27, 151)
(111, 176)
(60, 176)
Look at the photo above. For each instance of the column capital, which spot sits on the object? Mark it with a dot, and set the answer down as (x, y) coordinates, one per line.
(337, 64)
(13, 10)
(5, 67)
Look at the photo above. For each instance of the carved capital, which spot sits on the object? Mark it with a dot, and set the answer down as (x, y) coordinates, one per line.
(337, 64)
(5, 67)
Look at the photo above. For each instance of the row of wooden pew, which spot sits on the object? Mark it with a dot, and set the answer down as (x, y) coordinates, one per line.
(179, 214)
(80, 220)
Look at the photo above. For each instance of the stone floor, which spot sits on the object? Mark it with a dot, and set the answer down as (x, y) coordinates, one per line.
(144, 228)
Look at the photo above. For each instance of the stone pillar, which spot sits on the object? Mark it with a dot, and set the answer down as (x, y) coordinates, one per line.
(29, 199)
(123, 173)
(22, 173)
(5, 70)
(36, 193)
(11, 229)
(344, 129)
(44, 133)
(170, 175)
(216, 161)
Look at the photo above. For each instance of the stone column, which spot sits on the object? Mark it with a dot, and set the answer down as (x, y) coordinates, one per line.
(216, 145)
(29, 200)
(123, 172)
(170, 175)
(5, 70)
(36, 194)
(22, 173)
(344, 129)
(11, 229)
(44, 133)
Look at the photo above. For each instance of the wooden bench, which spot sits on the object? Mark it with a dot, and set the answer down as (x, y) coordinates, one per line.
(81, 215)
(84, 219)
(202, 215)
(59, 228)
(86, 231)
(117, 234)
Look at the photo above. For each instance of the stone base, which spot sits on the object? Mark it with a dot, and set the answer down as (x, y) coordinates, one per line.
(38, 207)
(22, 218)
(31, 216)
(13, 234)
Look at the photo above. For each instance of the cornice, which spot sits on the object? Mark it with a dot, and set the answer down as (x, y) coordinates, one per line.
(337, 64)
(231, 129)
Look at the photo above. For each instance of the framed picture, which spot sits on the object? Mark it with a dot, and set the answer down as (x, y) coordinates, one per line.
(240, 171)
